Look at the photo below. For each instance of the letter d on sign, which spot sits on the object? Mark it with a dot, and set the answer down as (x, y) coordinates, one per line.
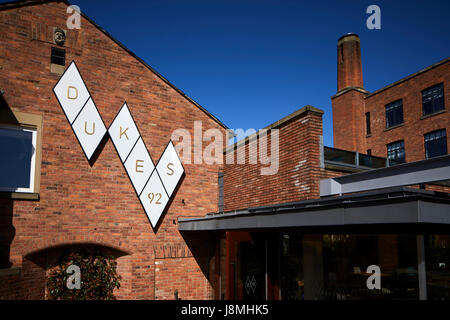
(74, 281)
(374, 281)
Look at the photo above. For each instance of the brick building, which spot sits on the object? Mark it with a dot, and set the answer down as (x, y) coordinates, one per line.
(74, 202)
(228, 231)
(407, 120)
(290, 236)
(313, 230)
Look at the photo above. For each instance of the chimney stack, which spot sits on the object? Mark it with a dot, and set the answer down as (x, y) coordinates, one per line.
(348, 103)
(349, 62)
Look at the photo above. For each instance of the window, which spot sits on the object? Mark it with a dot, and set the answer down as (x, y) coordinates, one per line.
(396, 151)
(58, 56)
(435, 144)
(20, 144)
(394, 113)
(17, 163)
(367, 123)
(433, 99)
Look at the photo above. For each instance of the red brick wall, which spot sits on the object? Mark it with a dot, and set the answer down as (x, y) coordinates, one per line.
(349, 62)
(299, 168)
(414, 127)
(349, 121)
(83, 204)
(350, 106)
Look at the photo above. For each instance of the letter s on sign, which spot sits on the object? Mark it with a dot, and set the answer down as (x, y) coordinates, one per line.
(169, 168)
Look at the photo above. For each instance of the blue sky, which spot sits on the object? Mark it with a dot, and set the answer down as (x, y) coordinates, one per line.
(252, 62)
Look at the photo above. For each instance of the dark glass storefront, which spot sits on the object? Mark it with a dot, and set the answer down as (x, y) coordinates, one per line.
(437, 257)
(390, 244)
(295, 266)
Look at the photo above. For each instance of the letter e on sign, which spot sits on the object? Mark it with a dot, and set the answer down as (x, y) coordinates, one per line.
(139, 166)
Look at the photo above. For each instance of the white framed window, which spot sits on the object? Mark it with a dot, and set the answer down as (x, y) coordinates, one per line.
(18, 149)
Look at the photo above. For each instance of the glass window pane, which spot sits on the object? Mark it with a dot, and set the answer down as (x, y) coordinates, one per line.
(396, 151)
(437, 259)
(435, 144)
(394, 113)
(16, 160)
(433, 99)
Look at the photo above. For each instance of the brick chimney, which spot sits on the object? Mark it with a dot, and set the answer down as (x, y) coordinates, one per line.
(349, 62)
(348, 103)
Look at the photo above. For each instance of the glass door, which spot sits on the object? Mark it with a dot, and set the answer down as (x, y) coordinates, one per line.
(251, 270)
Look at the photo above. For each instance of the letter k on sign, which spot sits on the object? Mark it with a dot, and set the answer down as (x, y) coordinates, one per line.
(154, 185)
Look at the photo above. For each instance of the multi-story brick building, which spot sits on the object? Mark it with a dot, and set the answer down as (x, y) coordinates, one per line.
(407, 120)
(283, 237)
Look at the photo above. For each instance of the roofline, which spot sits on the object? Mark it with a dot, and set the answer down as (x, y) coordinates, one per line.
(276, 124)
(437, 64)
(22, 3)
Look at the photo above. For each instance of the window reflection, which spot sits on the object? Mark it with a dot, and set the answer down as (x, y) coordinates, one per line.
(333, 267)
(437, 260)
(16, 162)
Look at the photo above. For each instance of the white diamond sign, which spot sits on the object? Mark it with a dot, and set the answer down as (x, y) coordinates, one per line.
(131, 149)
(123, 132)
(154, 186)
(170, 168)
(80, 110)
(139, 166)
(154, 198)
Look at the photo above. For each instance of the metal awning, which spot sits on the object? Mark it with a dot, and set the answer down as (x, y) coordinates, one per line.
(399, 205)
(428, 171)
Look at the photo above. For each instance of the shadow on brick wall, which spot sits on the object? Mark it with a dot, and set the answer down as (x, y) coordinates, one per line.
(202, 245)
(7, 232)
(37, 264)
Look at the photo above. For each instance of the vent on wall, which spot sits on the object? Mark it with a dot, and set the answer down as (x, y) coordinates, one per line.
(57, 60)
(58, 56)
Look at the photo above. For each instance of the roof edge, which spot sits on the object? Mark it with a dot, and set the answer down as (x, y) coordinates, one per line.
(276, 124)
(22, 3)
(347, 89)
(437, 64)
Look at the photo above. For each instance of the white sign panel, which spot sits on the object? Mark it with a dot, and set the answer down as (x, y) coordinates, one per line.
(153, 185)
(80, 110)
(170, 168)
(71, 92)
(154, 198)
(123, 132)
(139, 166)
(89, 128)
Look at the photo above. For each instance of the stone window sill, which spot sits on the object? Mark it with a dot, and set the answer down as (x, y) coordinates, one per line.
(394, 127)
(19, 195)
(432, 114)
